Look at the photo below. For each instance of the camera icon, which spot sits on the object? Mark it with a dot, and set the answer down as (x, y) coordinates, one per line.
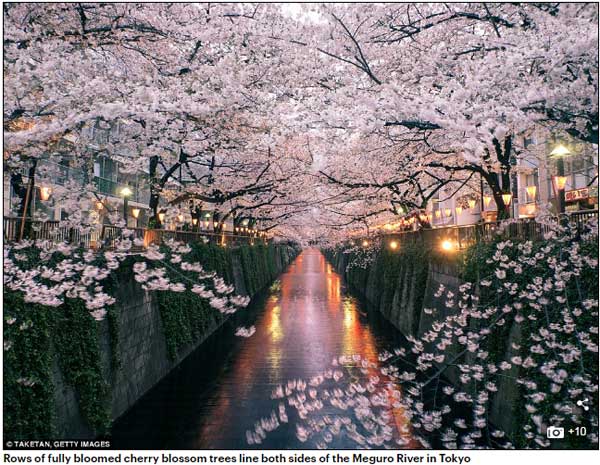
(555, 432)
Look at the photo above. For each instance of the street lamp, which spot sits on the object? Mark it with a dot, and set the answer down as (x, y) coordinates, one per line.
(125, 192)
(559, 181)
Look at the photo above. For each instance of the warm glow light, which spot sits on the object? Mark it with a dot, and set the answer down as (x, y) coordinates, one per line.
(448, 212)
(161, 217)
(438, 214)
(388, 226)
(472, 203)
(215, 224)
(180, 218)
(560, 151)
(447, 245)
(45, 193)
(365, 243)
(559, 182)
(126, 191)
(531, 190)
(194, 221)
(458, 210)
(99, 205)
(530, 210)
(486, 200)
(135, 212)
(423, 217)
(507, 198)
(206, 224)
(393, 245)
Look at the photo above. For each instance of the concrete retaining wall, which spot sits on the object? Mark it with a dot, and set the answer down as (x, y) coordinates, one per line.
(410, 295)
(142, 350)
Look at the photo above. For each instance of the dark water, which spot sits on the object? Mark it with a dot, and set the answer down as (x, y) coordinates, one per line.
(222, 389)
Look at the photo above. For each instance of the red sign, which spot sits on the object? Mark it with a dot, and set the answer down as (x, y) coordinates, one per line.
(577, 194)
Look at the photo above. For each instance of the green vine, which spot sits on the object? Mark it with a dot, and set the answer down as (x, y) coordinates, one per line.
(35, 336)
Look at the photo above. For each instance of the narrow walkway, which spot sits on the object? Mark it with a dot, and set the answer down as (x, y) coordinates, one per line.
(221, 391)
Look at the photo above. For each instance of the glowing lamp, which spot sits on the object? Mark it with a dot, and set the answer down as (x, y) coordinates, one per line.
(560, 151)
(448, 212)
(161, 217)
(559, 182)
(507, 198)
(438, 214)
(126, 191)
(486, 200)
(216, 224)
(99, 205)
(458, 210)
(447, 245)
(365, 243)
(531, 190)
(194, 221)
(471, 203)
(393, 245)
(45, 193)
(135, 212)
(206, 224)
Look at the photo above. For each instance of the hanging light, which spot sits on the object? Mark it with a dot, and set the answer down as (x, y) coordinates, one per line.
(559, 182)
(206, 224)
(486, 200)
(135, 212)
(531, 190)
(507, 198)
(216, 224)
(448, 212)
(438, 214)
(393, 245)
(458, 210)
(365, 243)
(45, 193)
(161, 217)
(471, 203)
(194, 221)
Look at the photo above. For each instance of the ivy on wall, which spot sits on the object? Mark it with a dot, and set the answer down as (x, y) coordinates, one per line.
(35, 336)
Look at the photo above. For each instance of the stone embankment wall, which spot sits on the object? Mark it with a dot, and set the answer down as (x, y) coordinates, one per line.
(142, 350)
(401, 284)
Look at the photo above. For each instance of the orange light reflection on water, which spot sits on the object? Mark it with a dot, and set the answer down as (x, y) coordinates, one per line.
(306, 323)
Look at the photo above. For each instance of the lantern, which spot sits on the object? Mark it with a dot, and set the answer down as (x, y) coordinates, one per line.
(486, 200)
(438, 214)
(161, 217)
(471, 203)
(458, 210)
(448, 212)
(393, 245)
(559, 182)
(135, 212)
(507, 198)
(45, 193)
(531, 190)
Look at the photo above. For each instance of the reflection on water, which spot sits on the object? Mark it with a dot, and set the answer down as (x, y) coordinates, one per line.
(222, 389)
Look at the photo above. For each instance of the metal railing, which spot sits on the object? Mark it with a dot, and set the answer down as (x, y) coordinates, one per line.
(106, 236)
(464, 236)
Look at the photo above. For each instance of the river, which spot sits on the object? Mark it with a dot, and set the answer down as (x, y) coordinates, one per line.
(304, 321)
